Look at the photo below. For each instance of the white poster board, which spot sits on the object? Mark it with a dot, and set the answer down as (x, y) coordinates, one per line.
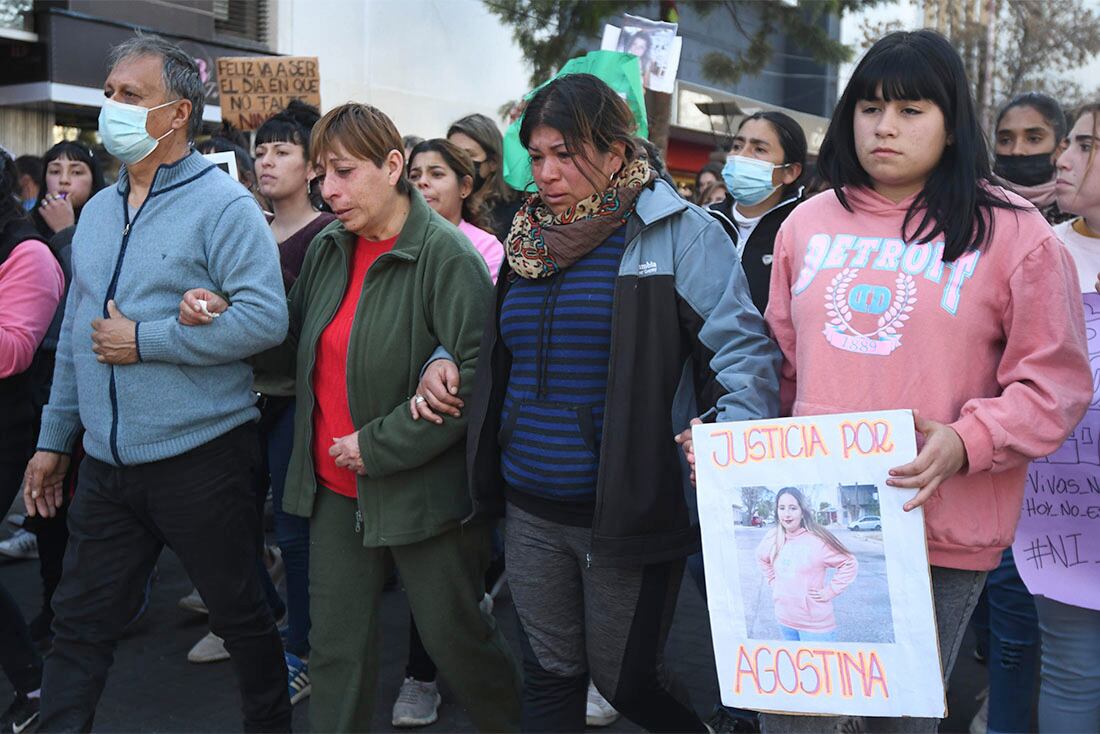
(654, 43)
(817, 581)
(227, 161)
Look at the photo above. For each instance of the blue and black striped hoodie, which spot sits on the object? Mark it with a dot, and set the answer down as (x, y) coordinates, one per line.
(679, 297)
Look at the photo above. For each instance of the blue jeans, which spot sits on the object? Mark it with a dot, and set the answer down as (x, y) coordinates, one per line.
(790, 633)
(291, 534)
(1011, 631)
(1069, 696)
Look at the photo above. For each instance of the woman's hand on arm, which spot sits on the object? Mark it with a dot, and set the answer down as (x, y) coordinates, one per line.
(437, 393)
(942, 457)
(192, 311)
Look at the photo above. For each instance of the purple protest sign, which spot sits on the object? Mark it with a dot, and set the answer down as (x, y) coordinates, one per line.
(1057, 546)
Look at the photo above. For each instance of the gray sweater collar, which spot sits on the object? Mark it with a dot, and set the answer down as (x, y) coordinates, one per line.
(169, 175)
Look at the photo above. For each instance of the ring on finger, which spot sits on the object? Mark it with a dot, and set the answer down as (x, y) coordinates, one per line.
(418, 399)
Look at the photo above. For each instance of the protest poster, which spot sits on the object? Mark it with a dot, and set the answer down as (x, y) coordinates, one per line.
(1057, 546)
(253, 88)
(654, 43)
(818, 583)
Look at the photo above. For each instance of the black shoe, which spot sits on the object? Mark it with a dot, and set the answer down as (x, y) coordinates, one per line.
(21, 716)
(724, 719)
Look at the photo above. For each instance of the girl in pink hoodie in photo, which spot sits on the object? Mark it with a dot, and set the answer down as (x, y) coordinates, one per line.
(794, 558)
(916, 283)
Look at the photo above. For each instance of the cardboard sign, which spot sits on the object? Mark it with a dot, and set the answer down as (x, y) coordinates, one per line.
(253, 88)
(1057, 546)
(817, 581)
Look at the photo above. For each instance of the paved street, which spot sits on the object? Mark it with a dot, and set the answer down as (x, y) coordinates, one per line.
(153, 688)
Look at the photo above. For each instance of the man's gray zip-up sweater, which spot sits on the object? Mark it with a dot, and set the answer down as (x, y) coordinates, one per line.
(198, 228)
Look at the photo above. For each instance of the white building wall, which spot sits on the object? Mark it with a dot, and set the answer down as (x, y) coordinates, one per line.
(425, 63)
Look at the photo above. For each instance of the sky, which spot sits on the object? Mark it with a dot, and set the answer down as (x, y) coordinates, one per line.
(910, 13)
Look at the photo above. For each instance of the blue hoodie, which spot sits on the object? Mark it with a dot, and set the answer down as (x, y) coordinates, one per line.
(198, 228)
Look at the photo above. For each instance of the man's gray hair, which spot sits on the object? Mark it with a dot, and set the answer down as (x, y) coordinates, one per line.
(181, 73)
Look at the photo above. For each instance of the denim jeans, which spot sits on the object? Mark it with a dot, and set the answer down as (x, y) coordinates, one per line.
(790, 633)
(1069, 694)
(291, 533)
(1008, 630)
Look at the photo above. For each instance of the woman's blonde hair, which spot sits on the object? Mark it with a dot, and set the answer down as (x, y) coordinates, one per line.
(364, 132)
(808, 521)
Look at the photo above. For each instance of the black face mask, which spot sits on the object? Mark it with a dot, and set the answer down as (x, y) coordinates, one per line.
(1025, 170)
(479, 180)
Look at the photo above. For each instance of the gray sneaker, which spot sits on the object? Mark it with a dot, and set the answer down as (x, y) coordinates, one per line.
(417, 704)
(21, 546)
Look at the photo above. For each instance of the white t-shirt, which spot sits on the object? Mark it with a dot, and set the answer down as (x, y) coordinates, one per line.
(1085, 252)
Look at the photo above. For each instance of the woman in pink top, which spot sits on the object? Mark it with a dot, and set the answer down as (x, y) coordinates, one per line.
(916, 283)
(443, 173)
(794, 557)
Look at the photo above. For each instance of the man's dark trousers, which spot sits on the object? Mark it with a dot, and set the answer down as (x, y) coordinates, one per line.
(200, 504)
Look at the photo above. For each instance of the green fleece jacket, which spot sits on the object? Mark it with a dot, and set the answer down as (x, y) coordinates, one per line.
(432, 289)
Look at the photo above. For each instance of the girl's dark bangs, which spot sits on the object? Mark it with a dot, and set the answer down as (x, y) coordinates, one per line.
(903, 73)
(281, 131)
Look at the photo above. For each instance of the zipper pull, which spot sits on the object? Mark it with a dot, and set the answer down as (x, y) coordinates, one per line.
(126, 229)
(588, 560)
(358, 521)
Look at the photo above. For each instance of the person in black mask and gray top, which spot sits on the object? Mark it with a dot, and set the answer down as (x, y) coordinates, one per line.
(1029, 135)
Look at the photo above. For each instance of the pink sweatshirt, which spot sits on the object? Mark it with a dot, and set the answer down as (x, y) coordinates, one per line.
(31, 284)
(488, 245)
(991, 344)
(798, 568)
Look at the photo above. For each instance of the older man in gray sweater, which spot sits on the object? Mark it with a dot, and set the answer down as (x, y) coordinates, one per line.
(168, 413)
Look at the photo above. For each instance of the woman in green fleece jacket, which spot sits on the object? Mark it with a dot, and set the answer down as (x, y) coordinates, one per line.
(379, 290)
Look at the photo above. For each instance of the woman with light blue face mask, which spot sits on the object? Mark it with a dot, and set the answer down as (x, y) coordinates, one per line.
(762, 175)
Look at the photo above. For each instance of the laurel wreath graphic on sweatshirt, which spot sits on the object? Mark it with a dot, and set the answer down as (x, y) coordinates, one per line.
(893, 319)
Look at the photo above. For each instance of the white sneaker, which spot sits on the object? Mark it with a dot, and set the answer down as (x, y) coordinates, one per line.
(21, 546)
(599, 711)
(193, 603)
(417, 704)
(210, 649)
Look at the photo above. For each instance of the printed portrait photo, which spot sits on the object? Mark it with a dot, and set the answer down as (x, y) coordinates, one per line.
(812, 564)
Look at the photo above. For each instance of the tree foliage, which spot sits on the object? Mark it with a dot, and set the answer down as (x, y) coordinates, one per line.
(550, 32)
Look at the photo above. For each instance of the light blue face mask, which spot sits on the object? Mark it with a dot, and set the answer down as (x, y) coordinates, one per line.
(122, 127)
(749, 180)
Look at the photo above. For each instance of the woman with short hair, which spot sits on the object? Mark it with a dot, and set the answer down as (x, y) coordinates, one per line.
(376, 295)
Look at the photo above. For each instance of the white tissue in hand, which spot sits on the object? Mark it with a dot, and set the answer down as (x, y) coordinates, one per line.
(204, 306)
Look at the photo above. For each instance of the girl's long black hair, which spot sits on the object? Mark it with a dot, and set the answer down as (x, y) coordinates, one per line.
(957, 199)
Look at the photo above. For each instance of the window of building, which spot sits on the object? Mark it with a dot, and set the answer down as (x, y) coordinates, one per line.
(240, 18)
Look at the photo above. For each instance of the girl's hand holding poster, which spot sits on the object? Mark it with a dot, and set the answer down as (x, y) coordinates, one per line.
(820, 598)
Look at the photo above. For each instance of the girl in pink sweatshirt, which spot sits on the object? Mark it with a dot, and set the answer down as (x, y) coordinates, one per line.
(794, 557)
(916, 283)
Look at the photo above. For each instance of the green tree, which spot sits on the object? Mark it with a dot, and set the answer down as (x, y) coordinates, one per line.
(550, 32)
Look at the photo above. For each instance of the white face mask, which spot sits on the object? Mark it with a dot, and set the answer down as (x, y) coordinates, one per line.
(122, 127)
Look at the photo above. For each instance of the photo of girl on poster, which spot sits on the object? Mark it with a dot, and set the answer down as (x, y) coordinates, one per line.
(794, 558)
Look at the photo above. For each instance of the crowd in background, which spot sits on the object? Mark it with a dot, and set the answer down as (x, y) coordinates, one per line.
(445, 384)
